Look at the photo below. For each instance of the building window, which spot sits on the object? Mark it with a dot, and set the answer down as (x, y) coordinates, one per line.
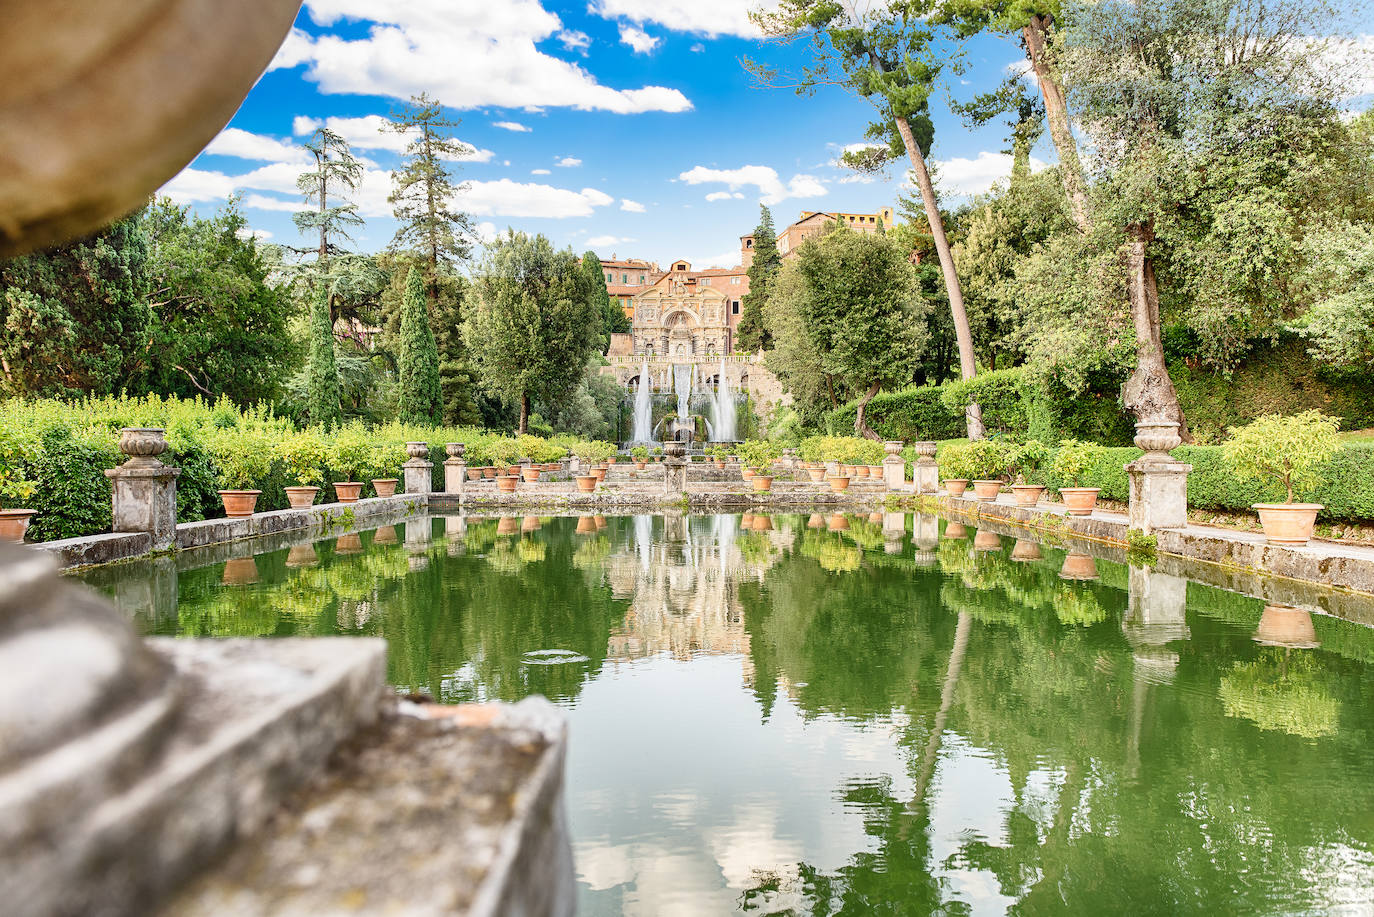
(641, 278)
(706, 281)
(734, 281)
(734, 307)
(610, 278)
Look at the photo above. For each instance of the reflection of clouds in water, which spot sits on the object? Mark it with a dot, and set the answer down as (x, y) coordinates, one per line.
(968, 796)
(751, 846)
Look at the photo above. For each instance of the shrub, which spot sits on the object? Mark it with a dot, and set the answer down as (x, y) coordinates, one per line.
(909, 415)
(640, 453)
(243, 459)
(593, 451)
(760, 453)
(1290, 450)
(351, 454)
(982, 459)
(1026, 459)
(999, 393)
(1074, 459)
(304, 456)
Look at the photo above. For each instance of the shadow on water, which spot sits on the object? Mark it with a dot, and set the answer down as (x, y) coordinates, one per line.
(864, 714)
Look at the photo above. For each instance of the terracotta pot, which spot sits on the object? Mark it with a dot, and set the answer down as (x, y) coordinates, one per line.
(385, 535)
(639, 466)
(599, 520)
(513, 470)
(816, 521)
(860, 471)
(586, 525)
(1027, 494)
(586, 483)
(956, 530)
(610, 461)
(1287, 523)
(531, 475)
(348, 491)
(839, 483)
(385, 487)
(1025, 550)
(762, 481)
(1078, 566)
(747, 473)
(986, 541)
(876, 472)
(474, 474)
(506, 483)
(987, 491)
(720, 465)
(837, 522)
(1079, 500)
(301, 497)
(1284, 625)
(239, 503)
(349, 544)
(241, 571)
(817, 475)
(302, 555)
(762, 523)
(507, 525)
(489, 472)
(956, 486)
(600, 474)
(14, 523)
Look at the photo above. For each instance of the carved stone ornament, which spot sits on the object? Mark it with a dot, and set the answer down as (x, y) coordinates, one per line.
(925, 450)
(418, 452)
(142, 444)
(455, 450)
(1157, 437)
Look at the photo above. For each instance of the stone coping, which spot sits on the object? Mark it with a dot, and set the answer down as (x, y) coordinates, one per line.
(1333, 578)
(435, 810)
(108, 548)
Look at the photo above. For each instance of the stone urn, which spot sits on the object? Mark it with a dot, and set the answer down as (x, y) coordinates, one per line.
(385, 487)
(301, 497)
(1157, 436)
(142, 445)
(839, 483)
(455, 451)
(893, 450)
(418, 452)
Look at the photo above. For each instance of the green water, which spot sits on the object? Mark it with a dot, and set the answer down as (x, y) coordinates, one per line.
(864, 720)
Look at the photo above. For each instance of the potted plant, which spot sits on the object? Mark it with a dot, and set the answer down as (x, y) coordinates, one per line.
(987, 462)
(350, 454)
(1073, 460)
(588, 454)
(657, 453)
(387, 455)
(956, 463)
(1291, 451)
(14, 523)
(759, 455)
(530, 471)
(242, 458)
(1026, 459)
(304, 455)
(641, 456)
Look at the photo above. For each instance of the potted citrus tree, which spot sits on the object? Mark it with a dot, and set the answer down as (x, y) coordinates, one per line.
(1026, 459)
(988, 460)
(759, 455)
(14, 523)
(1072, 461)
(1290, 451)
(956, 463)
(386, 456)
(304, 455)
(242, 458)
(837, 451)
(641, 456)
(349, 455)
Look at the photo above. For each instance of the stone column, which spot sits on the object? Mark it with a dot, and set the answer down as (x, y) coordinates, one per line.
(675, 468)
(1158, 484)
(894, 469)
(418, 472)
(925, 474)
(455, 469)
(145, 490)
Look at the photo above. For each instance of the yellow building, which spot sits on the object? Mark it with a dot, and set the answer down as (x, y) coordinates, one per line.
(812, 222)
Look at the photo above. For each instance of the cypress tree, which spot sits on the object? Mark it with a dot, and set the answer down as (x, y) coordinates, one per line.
(613, 320)
(322, 393)
(752, 333)
(421, 401)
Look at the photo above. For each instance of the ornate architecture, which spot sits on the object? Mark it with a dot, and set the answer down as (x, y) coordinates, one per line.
(689, 314)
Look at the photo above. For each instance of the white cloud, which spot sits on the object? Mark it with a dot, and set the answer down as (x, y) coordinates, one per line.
(697, 48)
(575, 41)
(725, 259)
(771, 188)
(962, 177)
(705, 17)
(630, 206)
(540, 172)
(640, 41)
(719, 196)
(191, 186)
(242, 144)
(521, 199)
(263, 202)
(568, 162)
(606, 241)
(468, 54)
(370, 132)
(511, 126)
(486, 232)
(259, 234)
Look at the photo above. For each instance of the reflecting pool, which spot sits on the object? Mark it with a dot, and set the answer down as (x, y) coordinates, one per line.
(862, 714)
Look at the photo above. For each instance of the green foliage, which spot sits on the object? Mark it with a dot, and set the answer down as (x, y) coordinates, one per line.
(1281, 692)
(910, 415)
(592, 451)
(423, 188)
(1291, 450)
(850, 450)
(983, 459)
(322, 401)
(304, 455)
(640, 453)
(421, 400)
(242, 457)
(351, 452)
(1025, 459)
(325, 187)
(999, 393)
(760, 454)
(1073, 459)
(754, 332)
(612, 318)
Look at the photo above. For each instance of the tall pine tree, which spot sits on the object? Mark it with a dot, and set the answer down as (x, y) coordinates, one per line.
(752, 333)
(420, 401)
(336, 170)
(322, 383)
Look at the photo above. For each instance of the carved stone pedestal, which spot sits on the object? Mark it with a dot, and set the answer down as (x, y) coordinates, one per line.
(145, 490)
(674, 468)
(418, 472)
(455, 469)
(1158, 484)
(894, 469)
(925, 473)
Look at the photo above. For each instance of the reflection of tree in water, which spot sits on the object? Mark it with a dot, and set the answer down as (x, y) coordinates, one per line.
(1282, 691)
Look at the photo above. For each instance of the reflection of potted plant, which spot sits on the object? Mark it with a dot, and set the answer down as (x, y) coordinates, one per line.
(242, 459)
(349, 455)
(1026, 459)
(641, 456)
(14, 523)
(1289, 450)
(1078, 567)
(759, 455)
(1072, 461)
(304, 454)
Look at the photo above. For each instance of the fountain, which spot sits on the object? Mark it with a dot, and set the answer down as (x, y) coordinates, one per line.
(682, 386)
(641, 432)
(724, 428)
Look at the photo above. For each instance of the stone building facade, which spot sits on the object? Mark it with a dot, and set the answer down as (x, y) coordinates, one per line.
(687, 314)
(809, 224)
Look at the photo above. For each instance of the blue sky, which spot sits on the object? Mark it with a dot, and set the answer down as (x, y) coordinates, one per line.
(625, 126)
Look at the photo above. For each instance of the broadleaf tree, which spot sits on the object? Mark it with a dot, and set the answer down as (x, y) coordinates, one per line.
(533, 322)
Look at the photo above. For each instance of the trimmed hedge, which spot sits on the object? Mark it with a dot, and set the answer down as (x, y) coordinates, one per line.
(911, 414)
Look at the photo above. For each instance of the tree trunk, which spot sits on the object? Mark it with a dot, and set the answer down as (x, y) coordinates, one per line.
(1035, 35)
(1149, 392)
(524, 413)
(968, 368)
(861, 427)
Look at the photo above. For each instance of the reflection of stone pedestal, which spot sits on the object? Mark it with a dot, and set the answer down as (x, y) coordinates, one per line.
(925, 473)
(145, 490)
(455, 469)
(894, 469)
(456, 530)
(1156, 608)
(894, 532)
(1158, 484)
(925, 534)
(418, 472)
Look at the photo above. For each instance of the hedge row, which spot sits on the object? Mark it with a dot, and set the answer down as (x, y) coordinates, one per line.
(61, 450)
(1347, 494)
